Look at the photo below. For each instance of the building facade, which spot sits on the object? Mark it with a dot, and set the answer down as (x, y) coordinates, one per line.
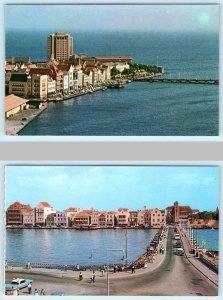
(42, 210)
(60, 46)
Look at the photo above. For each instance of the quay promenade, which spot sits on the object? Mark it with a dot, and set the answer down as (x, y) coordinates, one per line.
(16, 123)
(195, 261)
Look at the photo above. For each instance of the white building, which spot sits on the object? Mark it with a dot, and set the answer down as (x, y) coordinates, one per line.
(42, 210)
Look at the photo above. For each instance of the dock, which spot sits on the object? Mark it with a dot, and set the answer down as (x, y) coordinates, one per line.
(15, 124)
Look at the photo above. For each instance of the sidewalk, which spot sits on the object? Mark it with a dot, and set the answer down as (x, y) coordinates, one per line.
(207, 272)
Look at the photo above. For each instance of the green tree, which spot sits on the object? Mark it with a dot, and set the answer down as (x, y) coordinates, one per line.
(114, 72)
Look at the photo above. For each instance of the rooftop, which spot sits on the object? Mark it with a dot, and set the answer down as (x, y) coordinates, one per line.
(13, 101)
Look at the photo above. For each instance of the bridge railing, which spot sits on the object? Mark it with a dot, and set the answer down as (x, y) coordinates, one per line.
(25, 265)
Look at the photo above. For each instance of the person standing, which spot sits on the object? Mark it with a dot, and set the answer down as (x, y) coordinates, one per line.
(36, 293)
(29, 288)
(42, 293)
(93, 277)
(133, 269)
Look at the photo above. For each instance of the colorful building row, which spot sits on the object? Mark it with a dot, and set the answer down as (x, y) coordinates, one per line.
(45, 215)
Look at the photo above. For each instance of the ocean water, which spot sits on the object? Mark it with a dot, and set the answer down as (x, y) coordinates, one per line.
(141, 108)
(75, 247)
(209, 236)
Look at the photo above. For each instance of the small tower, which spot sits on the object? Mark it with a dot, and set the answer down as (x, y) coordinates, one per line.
(176, 212)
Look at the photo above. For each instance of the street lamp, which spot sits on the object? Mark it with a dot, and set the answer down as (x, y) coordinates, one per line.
(107, 255)
(107, 252)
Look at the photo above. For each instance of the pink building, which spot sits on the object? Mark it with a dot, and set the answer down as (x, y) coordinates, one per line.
(123, 216)
(158, 218)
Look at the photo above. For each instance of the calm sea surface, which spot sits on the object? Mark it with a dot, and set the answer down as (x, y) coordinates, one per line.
(141, 109)
(72, 247)
(210, 237)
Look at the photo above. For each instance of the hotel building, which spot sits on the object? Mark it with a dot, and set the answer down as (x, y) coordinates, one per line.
(60, 46)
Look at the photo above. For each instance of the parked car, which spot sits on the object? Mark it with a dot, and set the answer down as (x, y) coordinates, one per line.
(18, 283)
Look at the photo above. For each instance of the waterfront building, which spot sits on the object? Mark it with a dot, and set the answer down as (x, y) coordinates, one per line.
(110, 218)
(51, 86)
(78, 77)
(82, 218)
(50, 220)
(158, 218)
(42, 210)
(133, 218)
(9, 69)
(95, 218)
(28, 216)
(123, 216)
(180, 213)
(106, 73)
(58, 76)
(119, 62)
(14, 104)
(71, 213)
(39, 85)
(61, 219)
(60, 46)
(15, 213)
(68, 76)
(87, 78)
(19, 84)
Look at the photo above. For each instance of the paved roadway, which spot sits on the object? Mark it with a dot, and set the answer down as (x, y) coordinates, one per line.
(174, 277)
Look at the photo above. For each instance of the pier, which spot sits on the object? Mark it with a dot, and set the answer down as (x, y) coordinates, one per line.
(179, 80)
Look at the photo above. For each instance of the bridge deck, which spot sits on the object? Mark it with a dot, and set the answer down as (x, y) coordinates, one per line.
(178, 80)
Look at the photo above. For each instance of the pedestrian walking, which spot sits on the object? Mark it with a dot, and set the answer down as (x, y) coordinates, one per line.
(29, 288)
(93, 277)
(36, 293)
(42, 292)
(78, 267)
(133, 269)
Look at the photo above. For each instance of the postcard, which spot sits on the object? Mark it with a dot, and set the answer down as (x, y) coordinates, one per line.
(112, 230)
(112, 70)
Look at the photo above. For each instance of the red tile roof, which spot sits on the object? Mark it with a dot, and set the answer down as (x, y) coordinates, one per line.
(45, 204)
(123, 209)
(82, 214)
(19, 205)
(16, 205)
(72, 209)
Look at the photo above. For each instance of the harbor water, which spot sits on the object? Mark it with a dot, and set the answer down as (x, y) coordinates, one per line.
(141, 108)
(209, 237)
(69, 246)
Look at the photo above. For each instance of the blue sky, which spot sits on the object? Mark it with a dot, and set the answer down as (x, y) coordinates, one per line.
(111, 187)
(112, 17)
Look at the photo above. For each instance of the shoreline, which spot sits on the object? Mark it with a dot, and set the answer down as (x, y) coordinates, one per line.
(15, 124)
